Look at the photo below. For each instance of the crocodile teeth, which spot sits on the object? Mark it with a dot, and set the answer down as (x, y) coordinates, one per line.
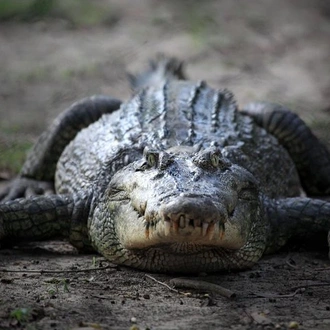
(167, 225)
(222, 231)
(216, 232)
(182, 221)
(210, 231)
(204, 228)
(176, 226)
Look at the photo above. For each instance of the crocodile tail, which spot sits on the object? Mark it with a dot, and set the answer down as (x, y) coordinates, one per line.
(160, 69)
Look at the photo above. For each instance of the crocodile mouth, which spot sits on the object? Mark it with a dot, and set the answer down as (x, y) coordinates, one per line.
(184, 226)
(190, 217)
(186, 221)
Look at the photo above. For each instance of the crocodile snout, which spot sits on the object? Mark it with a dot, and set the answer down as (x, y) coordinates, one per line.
(187, 214)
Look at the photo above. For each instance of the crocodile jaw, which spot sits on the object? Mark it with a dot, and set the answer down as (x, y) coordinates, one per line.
(179, 233)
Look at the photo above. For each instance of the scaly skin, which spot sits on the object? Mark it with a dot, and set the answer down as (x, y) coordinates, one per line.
(176, 180)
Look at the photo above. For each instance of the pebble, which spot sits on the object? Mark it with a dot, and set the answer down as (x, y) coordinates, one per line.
(133, 319)
(293, 325)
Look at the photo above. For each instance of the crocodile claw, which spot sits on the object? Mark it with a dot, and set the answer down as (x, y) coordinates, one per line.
(25, 187)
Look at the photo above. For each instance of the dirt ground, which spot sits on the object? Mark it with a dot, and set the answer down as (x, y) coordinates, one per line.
(261, 50)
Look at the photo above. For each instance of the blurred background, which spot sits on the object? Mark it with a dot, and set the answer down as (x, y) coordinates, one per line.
(54, 52)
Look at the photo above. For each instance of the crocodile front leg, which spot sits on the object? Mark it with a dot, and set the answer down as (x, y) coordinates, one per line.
(41, 162)
(44, 217)
(311, 157)
(298, 216)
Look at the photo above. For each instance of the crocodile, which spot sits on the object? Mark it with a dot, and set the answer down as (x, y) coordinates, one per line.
(177, 179)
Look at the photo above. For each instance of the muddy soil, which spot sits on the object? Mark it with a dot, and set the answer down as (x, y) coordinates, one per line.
(290, 288)
(261, 50)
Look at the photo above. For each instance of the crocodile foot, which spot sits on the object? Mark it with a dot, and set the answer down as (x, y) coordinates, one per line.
(25, 187)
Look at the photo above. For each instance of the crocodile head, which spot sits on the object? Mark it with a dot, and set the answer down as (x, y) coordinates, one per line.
(180, 205)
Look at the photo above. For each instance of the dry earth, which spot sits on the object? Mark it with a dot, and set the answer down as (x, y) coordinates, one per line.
(274, 50)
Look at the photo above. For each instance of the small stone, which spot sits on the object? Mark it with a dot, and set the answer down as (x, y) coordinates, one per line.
(293, 325)
(133, 319)
(146, 296)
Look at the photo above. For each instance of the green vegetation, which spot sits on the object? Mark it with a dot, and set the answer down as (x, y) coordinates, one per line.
(85, 71)
(12, 155)
(199, 24)
(25, 10)
(55, 285)
(21, 315)
(34, 74)
(76, 12)
(94, 262)
(11, 9)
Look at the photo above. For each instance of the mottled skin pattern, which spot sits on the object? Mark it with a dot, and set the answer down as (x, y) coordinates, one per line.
(153, 118)
(177, 180)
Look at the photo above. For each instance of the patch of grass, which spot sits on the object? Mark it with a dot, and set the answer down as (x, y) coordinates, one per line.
(85, 13)
(199, 23)
(54, 285)
(13, 155)
(26, 10)
(36, 74)
(85, 71)
(10, 129)
(77, 12)
(11, 9)
(21, 315)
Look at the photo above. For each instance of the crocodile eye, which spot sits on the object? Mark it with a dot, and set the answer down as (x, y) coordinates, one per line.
(151, 159)
(211, 159)
(215, 159)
